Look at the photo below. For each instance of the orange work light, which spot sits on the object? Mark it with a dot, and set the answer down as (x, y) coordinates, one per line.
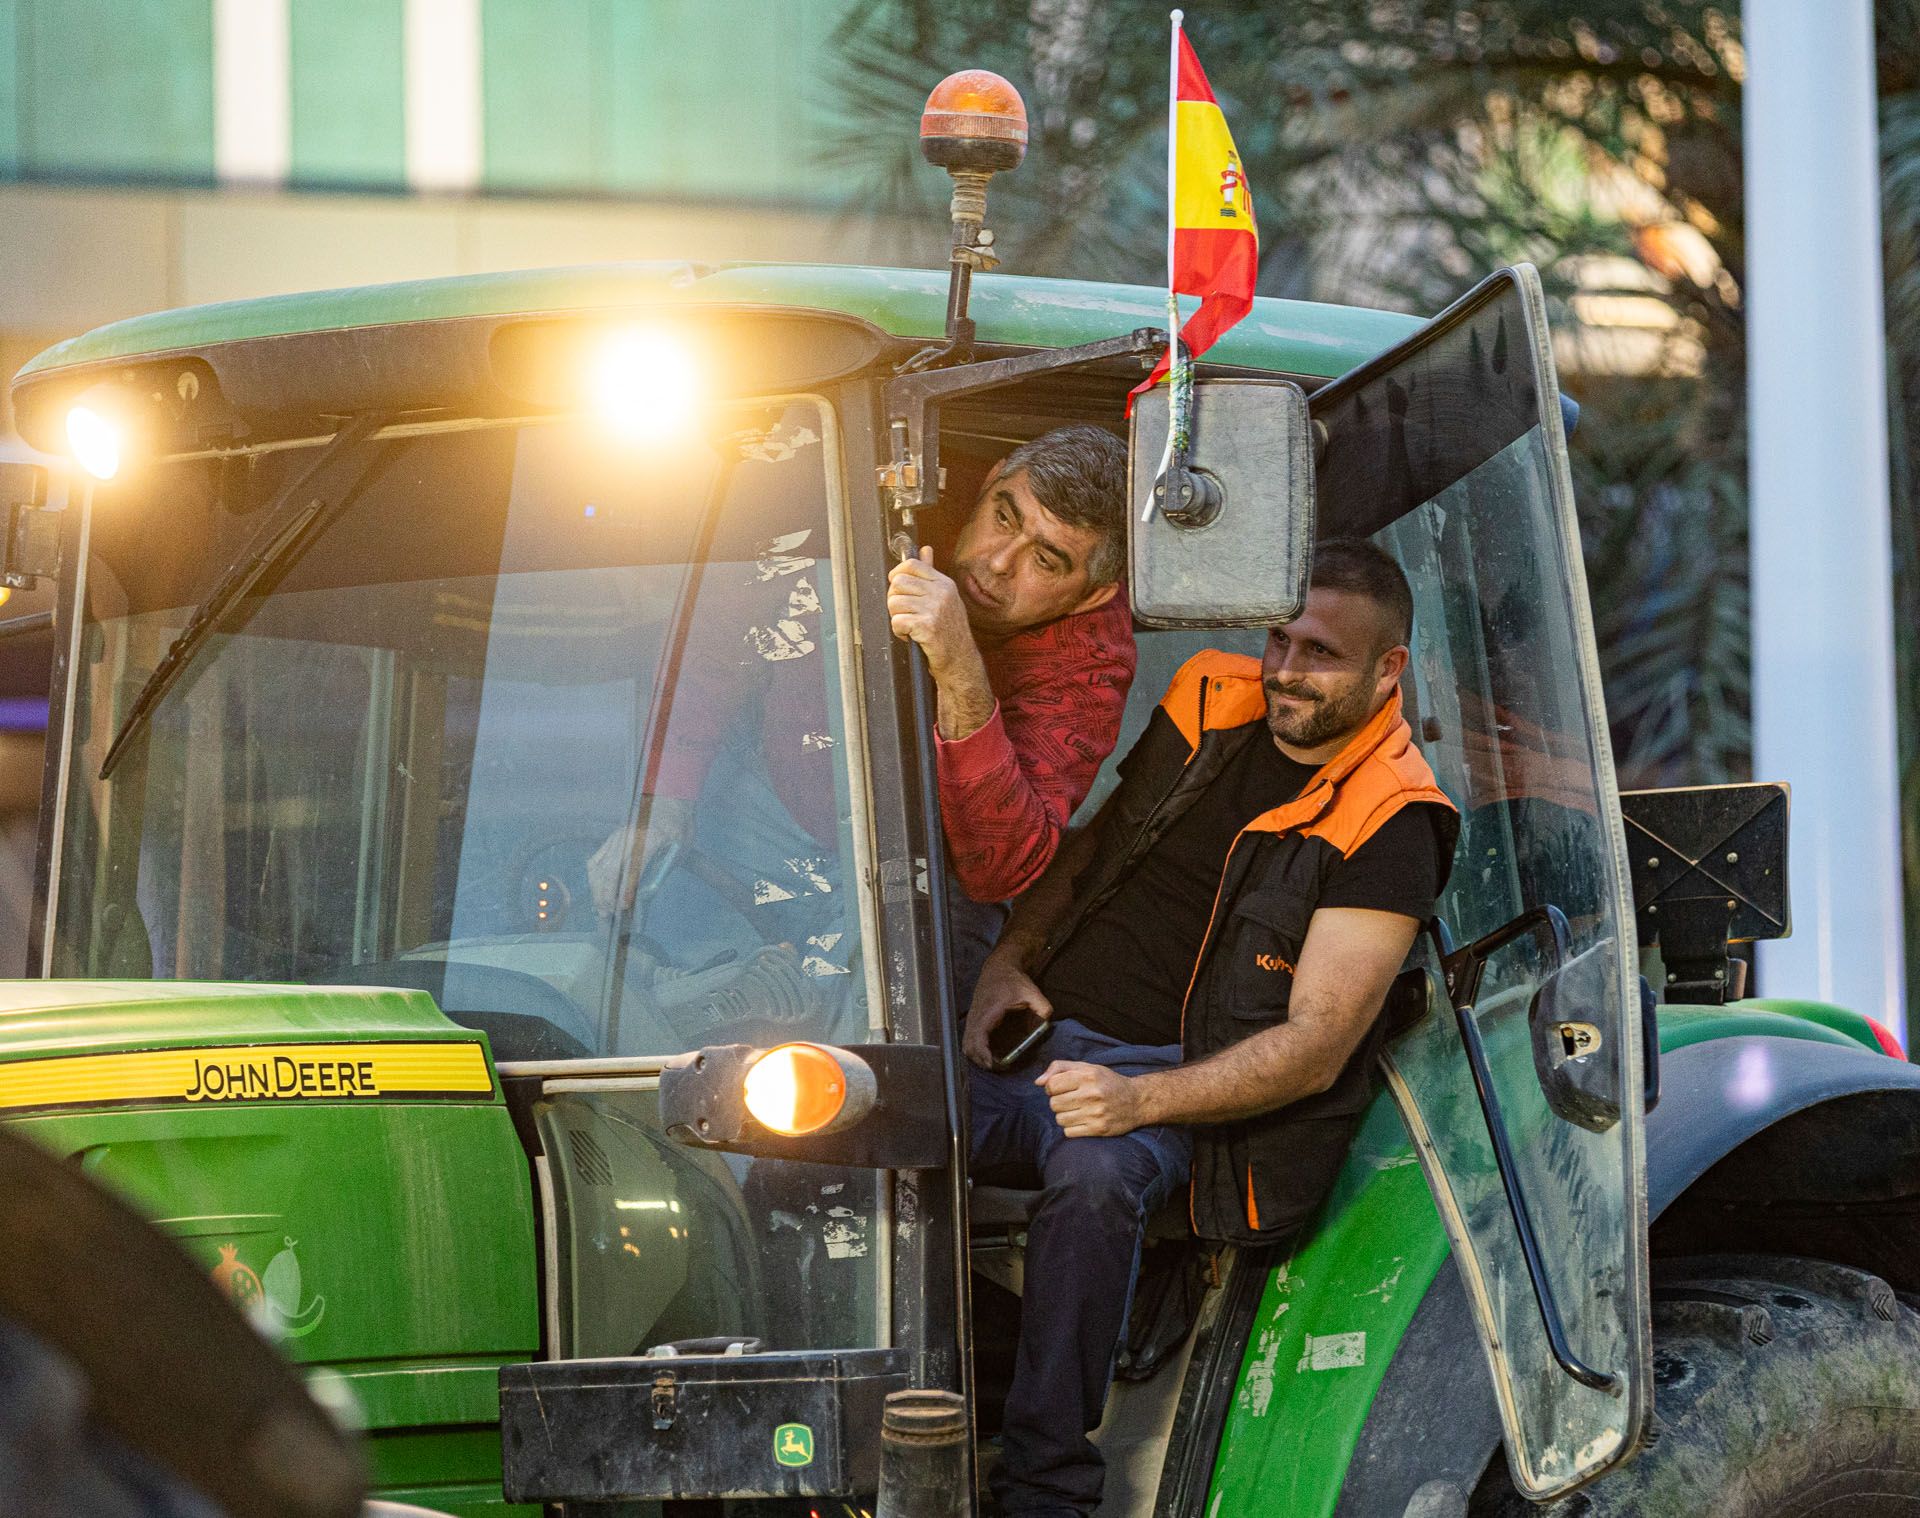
(808, 1088)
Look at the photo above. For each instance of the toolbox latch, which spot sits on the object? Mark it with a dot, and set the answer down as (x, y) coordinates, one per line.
(666, 1400)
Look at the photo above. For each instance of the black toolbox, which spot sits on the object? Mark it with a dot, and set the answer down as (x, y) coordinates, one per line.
(798, 1424)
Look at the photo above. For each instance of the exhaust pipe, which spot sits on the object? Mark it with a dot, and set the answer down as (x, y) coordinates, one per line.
(923, 1456)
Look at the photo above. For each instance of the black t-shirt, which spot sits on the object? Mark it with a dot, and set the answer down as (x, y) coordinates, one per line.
(1126, 969)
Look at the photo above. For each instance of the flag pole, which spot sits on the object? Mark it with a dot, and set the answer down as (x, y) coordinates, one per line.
(1173, 298)
(1173, 162)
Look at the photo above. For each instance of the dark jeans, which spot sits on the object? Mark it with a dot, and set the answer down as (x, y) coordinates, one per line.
(1083, 1250)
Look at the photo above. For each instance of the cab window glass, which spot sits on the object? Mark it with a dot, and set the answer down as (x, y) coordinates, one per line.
(1497, 693)
(547, 725)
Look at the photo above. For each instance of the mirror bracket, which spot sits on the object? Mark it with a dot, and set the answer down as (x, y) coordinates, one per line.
(911, 402)
(31, 550)
(1199, 497)
(1693, 947)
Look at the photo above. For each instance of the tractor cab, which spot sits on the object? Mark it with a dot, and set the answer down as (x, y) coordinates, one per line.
(523, 647)
(492, 915)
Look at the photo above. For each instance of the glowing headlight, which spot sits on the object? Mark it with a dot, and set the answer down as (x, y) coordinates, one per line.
(644, 385)
(96, 442)
(808, 1088)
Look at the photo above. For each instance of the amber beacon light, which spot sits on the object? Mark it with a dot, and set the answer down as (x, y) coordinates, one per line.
(974, 120)
(974, 126)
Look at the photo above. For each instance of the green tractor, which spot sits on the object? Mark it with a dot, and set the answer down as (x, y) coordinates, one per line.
(382, 614)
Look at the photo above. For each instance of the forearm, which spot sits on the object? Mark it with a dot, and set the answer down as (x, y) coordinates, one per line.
(965, 699)
(1003, 827)
(1266, 1071)
(1349, 959)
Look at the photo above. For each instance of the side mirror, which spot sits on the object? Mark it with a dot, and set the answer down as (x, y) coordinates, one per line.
(1709, 868)
(1236, 547)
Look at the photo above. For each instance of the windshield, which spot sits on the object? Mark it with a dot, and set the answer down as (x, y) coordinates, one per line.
(548, 725)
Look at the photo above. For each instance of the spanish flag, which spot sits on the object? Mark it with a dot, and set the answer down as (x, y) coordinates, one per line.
(1214, 247)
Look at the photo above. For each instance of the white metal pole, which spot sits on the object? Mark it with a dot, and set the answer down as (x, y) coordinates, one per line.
(252, 91)
(445, 148)
(1173, 152)
(1823, 678)
(1173, 297)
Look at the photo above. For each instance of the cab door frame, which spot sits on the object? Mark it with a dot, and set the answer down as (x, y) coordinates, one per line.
(1416, 425)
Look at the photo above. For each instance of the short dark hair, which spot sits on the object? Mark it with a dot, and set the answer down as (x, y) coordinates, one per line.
(1079, 474)
(1362, 568)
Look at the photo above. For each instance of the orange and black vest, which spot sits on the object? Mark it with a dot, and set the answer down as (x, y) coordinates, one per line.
(1256, 1180)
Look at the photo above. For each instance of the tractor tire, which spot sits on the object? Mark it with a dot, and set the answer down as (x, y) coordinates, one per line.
(1783, 1388)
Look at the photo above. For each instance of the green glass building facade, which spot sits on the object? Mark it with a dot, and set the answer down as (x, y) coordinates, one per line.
(695, 100)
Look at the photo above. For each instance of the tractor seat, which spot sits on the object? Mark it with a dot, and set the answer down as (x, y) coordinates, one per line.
(1008, 1209)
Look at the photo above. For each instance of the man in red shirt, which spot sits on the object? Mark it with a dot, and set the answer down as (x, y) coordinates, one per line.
(1030, 643)
(1031, 648)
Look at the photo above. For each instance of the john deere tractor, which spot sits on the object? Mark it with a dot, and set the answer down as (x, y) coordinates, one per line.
(586, 1161)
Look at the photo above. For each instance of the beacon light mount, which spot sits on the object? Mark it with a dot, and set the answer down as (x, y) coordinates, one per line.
(974, 126)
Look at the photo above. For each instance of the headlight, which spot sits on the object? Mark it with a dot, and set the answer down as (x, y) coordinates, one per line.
(96, 440)
(645, 385)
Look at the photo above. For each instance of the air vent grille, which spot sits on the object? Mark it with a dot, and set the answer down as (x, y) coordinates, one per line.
(589, 1159)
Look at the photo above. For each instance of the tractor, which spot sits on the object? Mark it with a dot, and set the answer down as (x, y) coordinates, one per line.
(381, 614)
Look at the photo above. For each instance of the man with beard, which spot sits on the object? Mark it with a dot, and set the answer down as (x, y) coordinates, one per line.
(1029, 641)
(1213, 953)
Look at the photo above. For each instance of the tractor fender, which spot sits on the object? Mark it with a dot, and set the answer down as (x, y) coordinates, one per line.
(1716, 1096)
(1433, 1425)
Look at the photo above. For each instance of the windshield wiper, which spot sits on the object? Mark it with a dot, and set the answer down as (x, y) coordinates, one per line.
(290, 519)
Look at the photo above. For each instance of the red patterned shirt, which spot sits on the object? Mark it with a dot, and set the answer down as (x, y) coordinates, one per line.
(1007, 790)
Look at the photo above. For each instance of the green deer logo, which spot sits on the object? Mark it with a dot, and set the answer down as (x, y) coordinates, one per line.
(793, 1444)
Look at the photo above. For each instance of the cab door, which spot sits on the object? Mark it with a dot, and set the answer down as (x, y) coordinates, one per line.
(1452, 449)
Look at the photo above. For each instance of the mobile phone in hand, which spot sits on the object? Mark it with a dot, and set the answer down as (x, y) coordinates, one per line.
(1016, 1036)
